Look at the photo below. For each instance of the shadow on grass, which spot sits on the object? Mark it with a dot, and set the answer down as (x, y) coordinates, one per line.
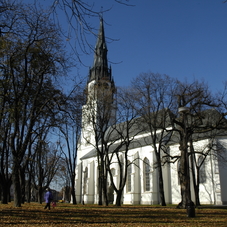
(34, 215)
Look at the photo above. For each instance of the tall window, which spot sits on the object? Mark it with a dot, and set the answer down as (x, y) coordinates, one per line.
(216, 167)
(110, 188)
(129, 178)
(85, 180)
(113, 172)
(147, 169)
(178, 171)
(202, 169)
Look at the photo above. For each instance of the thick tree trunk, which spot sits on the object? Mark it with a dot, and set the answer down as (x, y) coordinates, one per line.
(184, 177)
(1, 190)
(119, 197)
(16, 183)
(40, 195)
(9, 194)
(194, 177)
(161, 185)
(100, 183)
(105, 194)
(100, 191)
(29, 189)
(184, 174)
(196, 188)
(73, 191)
(22, 182)
(5, 192)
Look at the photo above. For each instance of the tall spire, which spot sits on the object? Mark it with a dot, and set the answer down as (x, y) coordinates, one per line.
(100, 58)
(100, 70)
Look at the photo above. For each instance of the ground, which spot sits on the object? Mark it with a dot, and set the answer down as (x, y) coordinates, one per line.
(93, 215)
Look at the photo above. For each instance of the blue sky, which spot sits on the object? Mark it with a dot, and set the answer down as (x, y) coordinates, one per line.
(185, 39)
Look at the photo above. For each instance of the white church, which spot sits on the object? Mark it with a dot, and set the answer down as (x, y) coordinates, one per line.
(142, 186)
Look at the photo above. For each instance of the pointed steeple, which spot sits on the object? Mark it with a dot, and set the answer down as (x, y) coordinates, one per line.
(100, 70)
(100, 91)
(100, 58)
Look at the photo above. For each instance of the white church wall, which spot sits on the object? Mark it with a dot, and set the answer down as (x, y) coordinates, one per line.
(175, 186)
(139, 195)
(221, 167)
(133, 196)
(207, 189)
(87, 176)
(78, 185)
(96, 177)
(154, 182)
(83, 150)
(167, 183)
(90, 191)
(136, 180)
(211, 192)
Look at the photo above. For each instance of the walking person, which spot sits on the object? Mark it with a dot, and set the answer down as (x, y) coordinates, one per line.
(48, 197)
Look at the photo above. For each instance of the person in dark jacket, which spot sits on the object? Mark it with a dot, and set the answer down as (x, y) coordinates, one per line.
(48, 197)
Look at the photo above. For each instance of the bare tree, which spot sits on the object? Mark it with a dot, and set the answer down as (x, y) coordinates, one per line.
(5, 161)
(45, 164)
(120, 137)
(70, 133)
(155, 100)
(194, 99)
(31, 57)
(77, 15)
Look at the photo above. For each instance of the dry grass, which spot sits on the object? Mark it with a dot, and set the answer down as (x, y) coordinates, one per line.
(92, 215)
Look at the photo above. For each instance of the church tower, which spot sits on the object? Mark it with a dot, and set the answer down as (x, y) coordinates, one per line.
(98, 112)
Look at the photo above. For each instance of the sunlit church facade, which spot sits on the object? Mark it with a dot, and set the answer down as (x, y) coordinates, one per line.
(142, 186)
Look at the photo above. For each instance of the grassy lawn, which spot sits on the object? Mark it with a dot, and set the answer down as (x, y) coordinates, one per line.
(93, 215)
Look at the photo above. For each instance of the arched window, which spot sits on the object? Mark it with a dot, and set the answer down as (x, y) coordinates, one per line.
(113, 172)
(178, 171)
(146, 167)
(202, 169)
(108, 179)
(85, 180)
(110, 188)
(97, 180)
(129, 178)
(121, 166)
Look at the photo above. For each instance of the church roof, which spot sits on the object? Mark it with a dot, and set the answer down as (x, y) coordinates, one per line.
(139, 129)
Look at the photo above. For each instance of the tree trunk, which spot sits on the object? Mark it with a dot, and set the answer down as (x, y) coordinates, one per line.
(1, 189)
(119, 197)
(161, 185)
(197, 200)
(40, 184)
(195, 184)
(5, 192)
(40, 195)
(73, 192)
(29, 189)
(184, 177)
(16, 183)
(22, 182)
(100, 190)
(100, 183)
(105, 193)
(184, 173)
(9, 194)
